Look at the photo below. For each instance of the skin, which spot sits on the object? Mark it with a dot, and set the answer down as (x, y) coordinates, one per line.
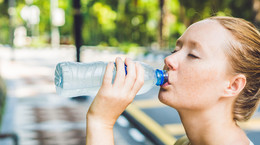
(112, 100)
(201, 87)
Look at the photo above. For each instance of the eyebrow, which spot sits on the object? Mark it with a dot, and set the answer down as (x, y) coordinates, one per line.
(195, 44)
(178, 42)
(191, 43)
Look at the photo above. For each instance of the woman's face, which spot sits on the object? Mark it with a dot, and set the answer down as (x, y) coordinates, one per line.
(197, 68)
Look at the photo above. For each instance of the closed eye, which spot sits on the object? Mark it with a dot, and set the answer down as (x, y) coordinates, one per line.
(193, 56)
(174, 51)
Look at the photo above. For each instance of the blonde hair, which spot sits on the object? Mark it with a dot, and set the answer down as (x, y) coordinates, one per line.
(244, 58)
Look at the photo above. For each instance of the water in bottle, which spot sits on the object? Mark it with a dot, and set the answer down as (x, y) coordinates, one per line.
(77, 79)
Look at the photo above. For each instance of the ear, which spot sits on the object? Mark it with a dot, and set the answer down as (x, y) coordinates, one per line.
(235, 85)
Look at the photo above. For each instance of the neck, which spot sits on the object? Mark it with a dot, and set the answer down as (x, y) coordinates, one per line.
(213, 125)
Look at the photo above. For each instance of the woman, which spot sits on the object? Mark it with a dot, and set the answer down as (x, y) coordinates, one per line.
(214, 81)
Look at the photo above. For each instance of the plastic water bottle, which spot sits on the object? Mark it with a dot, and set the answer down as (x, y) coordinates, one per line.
(78, 79)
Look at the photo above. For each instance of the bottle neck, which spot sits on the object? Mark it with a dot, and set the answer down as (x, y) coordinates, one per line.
(162, 77)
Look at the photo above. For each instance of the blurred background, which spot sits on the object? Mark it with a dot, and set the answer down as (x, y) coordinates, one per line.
(35, 35)
(125, 24)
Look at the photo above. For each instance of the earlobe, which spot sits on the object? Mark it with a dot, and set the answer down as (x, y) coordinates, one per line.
(235, 85)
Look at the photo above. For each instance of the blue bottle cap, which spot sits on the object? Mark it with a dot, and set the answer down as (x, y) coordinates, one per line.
(162, 77)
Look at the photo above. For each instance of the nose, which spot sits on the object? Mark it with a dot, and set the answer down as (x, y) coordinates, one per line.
(171, 62)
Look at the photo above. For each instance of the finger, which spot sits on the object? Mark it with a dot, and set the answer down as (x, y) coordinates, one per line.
(139, 81)
(108, 76)
(131, 74)
(120, 72)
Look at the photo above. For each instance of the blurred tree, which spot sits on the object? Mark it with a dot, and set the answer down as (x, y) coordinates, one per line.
(256, 7)
(192, 11)
(162, 22)
(127, 24)
(4, 25)
(4, 7)
(120, 22)
(243, 9)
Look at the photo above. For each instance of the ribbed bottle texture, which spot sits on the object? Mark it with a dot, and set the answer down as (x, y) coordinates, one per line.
(77, 79)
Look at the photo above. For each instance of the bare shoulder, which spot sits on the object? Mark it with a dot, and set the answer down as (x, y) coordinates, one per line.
(241, 141)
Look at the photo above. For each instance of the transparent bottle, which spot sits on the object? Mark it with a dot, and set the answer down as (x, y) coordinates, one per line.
(78, 79)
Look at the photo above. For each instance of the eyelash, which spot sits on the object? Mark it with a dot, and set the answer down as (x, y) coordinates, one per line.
(190, 55)
(174, 51)
(194, 56)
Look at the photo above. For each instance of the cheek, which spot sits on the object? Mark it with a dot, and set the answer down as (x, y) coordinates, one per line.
(199, 87)
(197, 81)
(195, 88)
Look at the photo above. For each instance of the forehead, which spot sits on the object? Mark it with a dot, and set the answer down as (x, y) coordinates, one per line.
(207, 30)
(210, 34)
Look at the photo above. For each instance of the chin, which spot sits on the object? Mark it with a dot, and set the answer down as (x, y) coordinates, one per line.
(168, 98)
(164, 96)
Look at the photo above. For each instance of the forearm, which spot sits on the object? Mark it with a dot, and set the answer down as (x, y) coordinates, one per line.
(98, 133)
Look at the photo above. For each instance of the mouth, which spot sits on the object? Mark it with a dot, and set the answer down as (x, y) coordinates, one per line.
(165, 84)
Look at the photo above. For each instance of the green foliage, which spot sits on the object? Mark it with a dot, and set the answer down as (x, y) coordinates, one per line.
(4, 28)
(110, 23)
(243, 9)
(129, 47)
(2, 98)
(200, 9)
(66, 30)
(105, 15)
(3, 8)
(125, 23)
(4, 25)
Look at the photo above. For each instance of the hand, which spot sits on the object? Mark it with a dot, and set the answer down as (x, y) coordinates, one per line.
(112, 99)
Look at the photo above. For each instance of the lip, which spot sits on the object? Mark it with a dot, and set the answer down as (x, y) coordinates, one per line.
(165, 84)
(168, 78)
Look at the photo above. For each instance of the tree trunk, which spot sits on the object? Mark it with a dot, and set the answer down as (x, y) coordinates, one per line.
(77, 27)
(164, 24)
(256, 7)
(161, 23)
